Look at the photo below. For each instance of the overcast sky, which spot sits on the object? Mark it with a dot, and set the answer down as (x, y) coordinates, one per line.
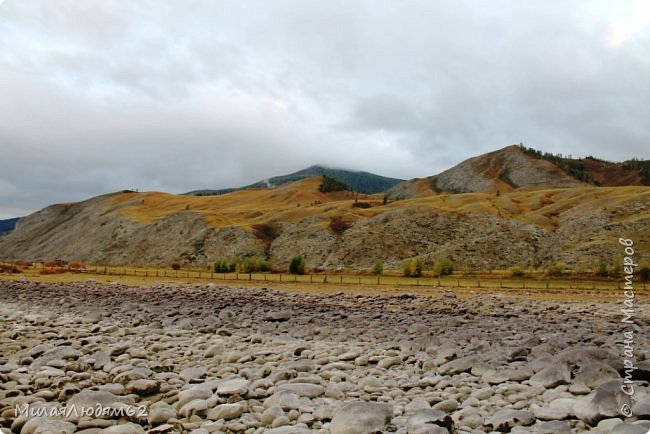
(98, 96)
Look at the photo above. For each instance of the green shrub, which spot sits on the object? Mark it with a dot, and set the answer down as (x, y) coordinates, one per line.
(601, 270)
(242, 265)
(555, 270)
(378, 268)
(517, 271)
(443, 268)
(221, 266)
(644, 273)
(297, 265)
(615, 270)
(413, 267)
(331, 184)
(176, 266)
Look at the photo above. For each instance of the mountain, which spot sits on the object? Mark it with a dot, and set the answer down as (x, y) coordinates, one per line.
(8, 225)
(516, 166)
(511, 209)
(361, 182)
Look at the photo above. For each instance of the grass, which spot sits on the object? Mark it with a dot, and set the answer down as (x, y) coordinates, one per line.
(559, 289)
(301, 199)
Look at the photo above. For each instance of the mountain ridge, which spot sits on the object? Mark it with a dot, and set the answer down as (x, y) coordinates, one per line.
(359, 181)
(532, 218)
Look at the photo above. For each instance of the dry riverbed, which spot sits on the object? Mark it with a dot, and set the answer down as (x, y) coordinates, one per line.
(91, 358)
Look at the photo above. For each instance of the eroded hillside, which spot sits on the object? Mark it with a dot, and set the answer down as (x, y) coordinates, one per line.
(578, 226)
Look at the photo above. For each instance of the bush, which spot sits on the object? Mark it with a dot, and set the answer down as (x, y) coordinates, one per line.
(517, 271)
(221, 266)
(444, 267)
(644, 273)
(413, 267)
(251, 264)
(176, 266)
(338, 225)
(378, 268)
(331, 184)
(297, 265)
(617, 269)
(9, 268)
(555, 270)
(46, 271)
(601, 270)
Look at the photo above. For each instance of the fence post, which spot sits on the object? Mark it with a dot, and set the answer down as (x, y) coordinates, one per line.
(311, 278)
(378, 280)
(341, 279)
(250, 276)
(479, 283)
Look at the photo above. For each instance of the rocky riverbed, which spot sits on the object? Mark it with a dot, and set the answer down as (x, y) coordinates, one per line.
(84, 357)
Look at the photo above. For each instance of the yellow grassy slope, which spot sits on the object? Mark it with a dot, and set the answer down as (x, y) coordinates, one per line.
(295, 201)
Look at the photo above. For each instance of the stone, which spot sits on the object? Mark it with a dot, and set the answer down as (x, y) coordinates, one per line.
(389, 362)
(288, 430)
(225, 411)
(428, 418)
(593, 374)
(143, 387)
(190, 374)
(361, 417)
(464, 364)
(88, 401)
(278, 316)
(303, 389)
(234, 386)
(558, 409)
(606, 402)
(554, 427)
(626, 428)
(642, 408)
(195, 407)
(448, 405)
(162, 429)
(552, 375)
(271, 414)
(160, 413)
(506, 419)
(45, 425)
(57, 353)
(196, 392)
(125, 428)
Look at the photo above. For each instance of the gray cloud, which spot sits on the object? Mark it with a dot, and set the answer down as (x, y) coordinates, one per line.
(173, 96)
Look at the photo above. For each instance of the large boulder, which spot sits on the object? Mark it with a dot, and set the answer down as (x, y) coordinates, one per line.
(606, 402)
(361, 417)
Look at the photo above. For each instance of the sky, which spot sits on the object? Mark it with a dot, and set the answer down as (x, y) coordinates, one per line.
(176, 95)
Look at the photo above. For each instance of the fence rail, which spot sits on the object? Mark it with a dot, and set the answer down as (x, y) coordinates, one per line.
(478, 281)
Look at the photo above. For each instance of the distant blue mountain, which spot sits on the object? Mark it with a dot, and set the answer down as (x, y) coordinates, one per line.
(8, 225)
(362, 182)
